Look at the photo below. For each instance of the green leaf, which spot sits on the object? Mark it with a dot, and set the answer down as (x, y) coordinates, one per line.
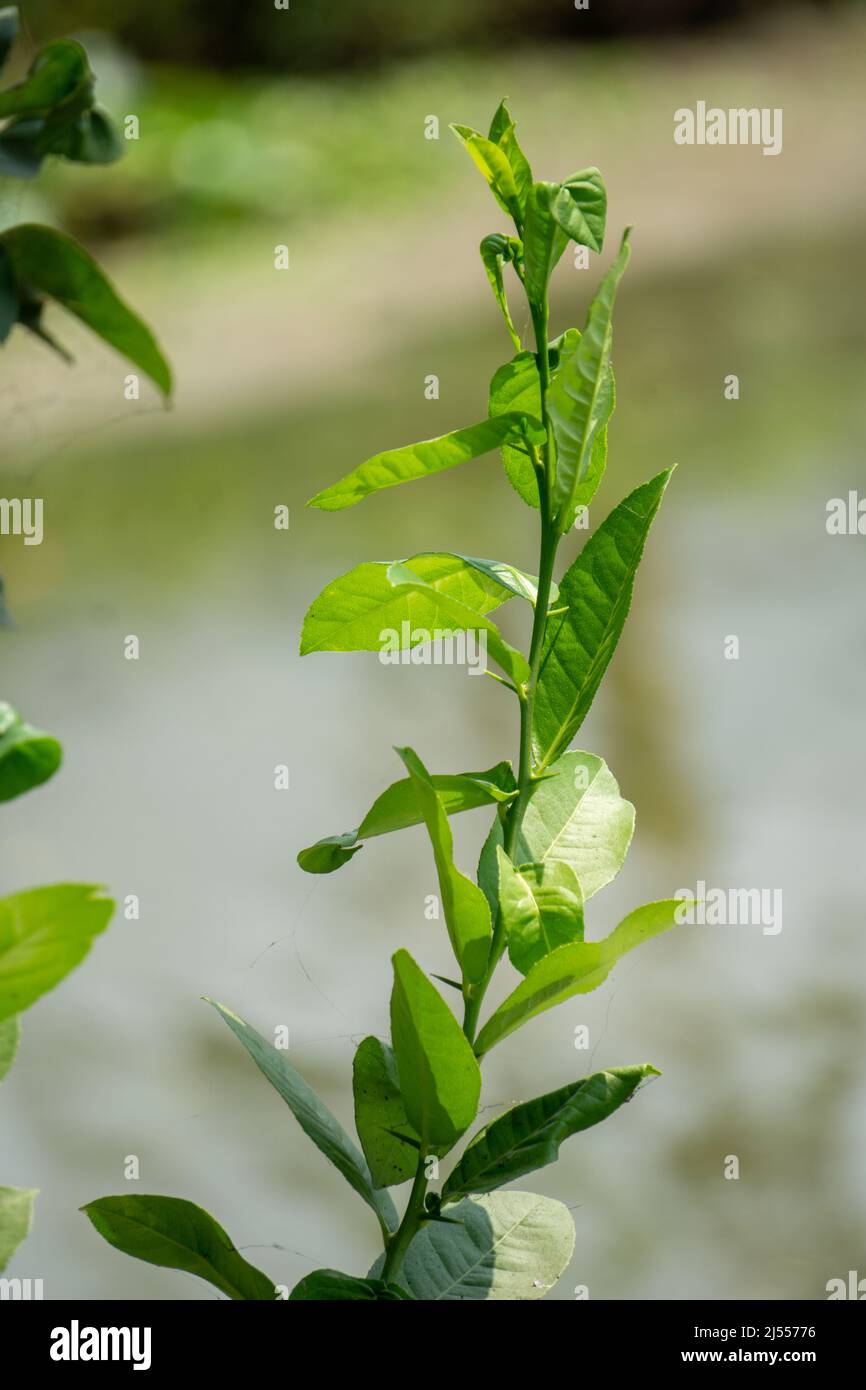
(312, 1115)
(9, 302)
(596, 592)
(502, 132)
(8, 31)
(27, 757)
(576, 969)
(580, 208)
(50, 263)
(507, 1246)
(330, 1286)
(439, 1077)
(496, 250)
(579, 401)
(578, 817)
(175, 1234)
(420, 461)
(45, 933)
(542, 908)
(513, 580)
(464, 619)
(495, 166)
(528, 1136)
(380, 1115)
(397, 808)
(16, 1218)
(60, 73)
(488, 865)
(10, 1036)
(467, 915)
(543, 241)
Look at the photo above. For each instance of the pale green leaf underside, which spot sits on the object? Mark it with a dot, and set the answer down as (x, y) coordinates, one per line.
(528, 1137)
(45, 933)
(176, 1234)
(464, 906)
(576, 969)
(509, 1246)
(16, 1218)
(312, 1114)
(579, 818)
(414, 461)
(397, 809)
(596, 592)
(439, 1076)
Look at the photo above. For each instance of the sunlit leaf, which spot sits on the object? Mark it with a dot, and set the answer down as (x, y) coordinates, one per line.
(495, 166)
(16, 1218)
(541, 906)
(543, 240)
(577, 817)
(45, 933)
(580, 208)
(380, 1115)
(497, 251)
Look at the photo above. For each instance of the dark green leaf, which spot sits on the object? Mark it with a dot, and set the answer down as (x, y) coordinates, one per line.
(8, 31)
(576, 969)
(397, 808)
(45, 933)
(380, 1115)
(580, 208)
(9, 304)
(579, 401)
(467, 915)
(439, 1077)
(541, 906)
(528, 1137)
(60, 73)
(330, 1286)
(27, 757)
(16, 1218)
(176, 1234)
(312, 1115)
(50, 263)
(417, 461)
(596, 592)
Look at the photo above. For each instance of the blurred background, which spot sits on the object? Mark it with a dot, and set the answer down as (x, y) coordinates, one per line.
(306, 127)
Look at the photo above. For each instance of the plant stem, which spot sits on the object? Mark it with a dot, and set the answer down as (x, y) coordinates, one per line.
(410, 1225)
(547, 560)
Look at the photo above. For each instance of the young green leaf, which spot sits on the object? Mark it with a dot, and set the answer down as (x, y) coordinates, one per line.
(45, 933)
(508, 1246)
(580, 208)
(16, 1218)
(543, 241)
(330, 1286)
(439, 1077)
(511, 579)
(420, 460)
(575, 969)
(461, 618)
(578, 817)
(10, 1035)
(488, 865)
(528, 1136)
(27, 757)
(380, 1115)
(358, 611)
(60, 73)
(579, 401)
(596, 592)
(496, 251)
(541, 906)
(312, 1115)
(47, 262)
(397, 808)
(467, 915)
(175, 1234)
(503, 133)
(495, 166)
